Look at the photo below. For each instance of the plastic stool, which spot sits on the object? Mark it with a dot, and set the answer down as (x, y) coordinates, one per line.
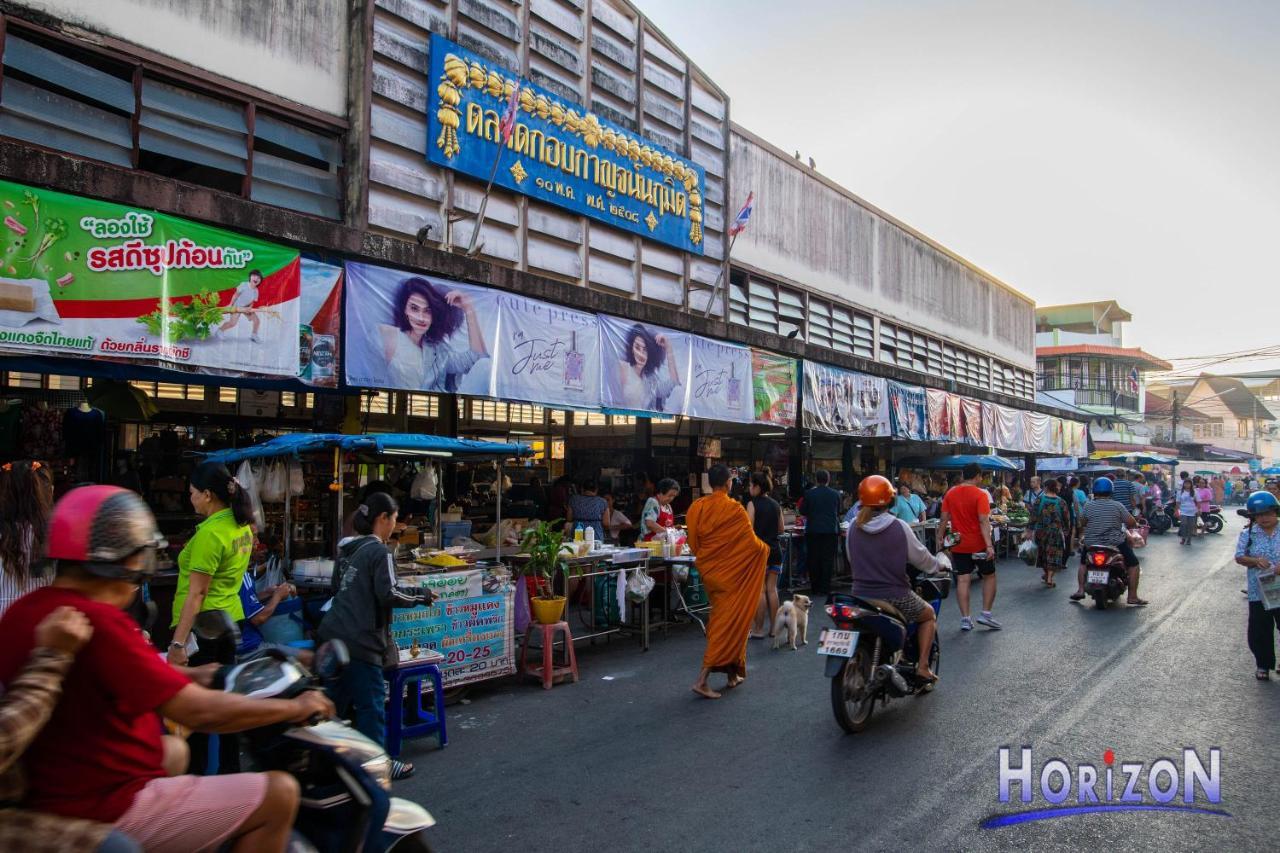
(549, 671)
(400, 677)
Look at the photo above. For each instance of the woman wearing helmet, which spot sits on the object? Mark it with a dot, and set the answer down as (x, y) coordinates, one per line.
(1258, 550)
(880, 546)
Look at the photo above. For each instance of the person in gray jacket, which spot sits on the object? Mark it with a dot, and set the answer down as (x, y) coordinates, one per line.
(361, 616)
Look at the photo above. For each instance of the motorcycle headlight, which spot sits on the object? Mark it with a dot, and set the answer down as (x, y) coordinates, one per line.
(380, 769)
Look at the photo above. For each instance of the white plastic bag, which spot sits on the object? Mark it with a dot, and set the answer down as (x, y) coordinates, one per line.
(248, 481)
(273, 484)
(297, 482)
(639, 585)
(1028, 552)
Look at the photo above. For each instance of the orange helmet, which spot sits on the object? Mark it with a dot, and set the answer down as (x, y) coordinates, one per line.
(876, 491)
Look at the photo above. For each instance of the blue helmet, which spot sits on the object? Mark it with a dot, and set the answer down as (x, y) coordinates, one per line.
(1260, 502)
(1103, 486)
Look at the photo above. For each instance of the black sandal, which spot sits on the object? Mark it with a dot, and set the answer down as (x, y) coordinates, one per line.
(1077, 596)
(400, 770)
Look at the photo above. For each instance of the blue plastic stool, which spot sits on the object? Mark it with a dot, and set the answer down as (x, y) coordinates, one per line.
(430, 722)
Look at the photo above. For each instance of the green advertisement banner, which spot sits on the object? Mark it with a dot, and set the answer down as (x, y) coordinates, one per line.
(99, 280)
(773, 380)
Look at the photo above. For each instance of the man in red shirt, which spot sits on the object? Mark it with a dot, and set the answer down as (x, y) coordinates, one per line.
(968, 508)
(101, 757)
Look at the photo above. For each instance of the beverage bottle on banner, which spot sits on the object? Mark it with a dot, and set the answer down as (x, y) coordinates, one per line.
(574, 364)
(735, 388)
(324, 360)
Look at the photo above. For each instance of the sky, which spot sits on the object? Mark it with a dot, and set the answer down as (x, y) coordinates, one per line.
(1076, 150)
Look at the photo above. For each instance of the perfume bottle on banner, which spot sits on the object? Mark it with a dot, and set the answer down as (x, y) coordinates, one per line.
(735, 389)
(574, 364)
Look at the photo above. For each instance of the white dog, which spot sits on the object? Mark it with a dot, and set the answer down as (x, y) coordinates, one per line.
(793, 616)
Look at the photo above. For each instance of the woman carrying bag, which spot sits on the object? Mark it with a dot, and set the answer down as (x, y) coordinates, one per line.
(361, 618)
(1051, 521)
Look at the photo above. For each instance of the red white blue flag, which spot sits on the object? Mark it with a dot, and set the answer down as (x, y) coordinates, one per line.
(740, 221)
(508, 124)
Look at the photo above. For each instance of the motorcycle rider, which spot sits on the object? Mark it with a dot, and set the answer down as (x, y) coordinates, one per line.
(1104, 521)
(880, 545)
(101, 755)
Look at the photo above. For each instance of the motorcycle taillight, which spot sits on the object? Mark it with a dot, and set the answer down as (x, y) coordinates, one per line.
(1099, 558)
(841, 612)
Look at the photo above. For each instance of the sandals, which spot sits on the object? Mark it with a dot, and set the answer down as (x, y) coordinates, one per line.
(400, 770)
(1137, 602)
(1077, 596)
(1262, 675)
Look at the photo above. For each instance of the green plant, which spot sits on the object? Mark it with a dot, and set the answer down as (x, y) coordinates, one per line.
(542, 543)
(194, 319)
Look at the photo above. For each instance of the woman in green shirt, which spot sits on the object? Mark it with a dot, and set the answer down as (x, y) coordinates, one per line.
(212, 564)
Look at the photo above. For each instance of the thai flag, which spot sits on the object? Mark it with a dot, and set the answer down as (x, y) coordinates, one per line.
(1133, 379)
(740, 221)
(508, 123)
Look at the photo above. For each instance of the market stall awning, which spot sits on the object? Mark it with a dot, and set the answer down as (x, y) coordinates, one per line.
(947, 463)
(1140, 458)
(295, 444)
(1226, 454)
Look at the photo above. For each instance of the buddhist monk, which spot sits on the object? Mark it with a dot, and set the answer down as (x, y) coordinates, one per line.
(731, 561)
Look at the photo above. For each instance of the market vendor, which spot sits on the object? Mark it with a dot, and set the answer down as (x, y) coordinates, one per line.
(657, 515)
(211, 569)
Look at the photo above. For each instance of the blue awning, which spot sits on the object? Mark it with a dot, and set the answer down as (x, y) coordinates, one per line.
(410, 444)
(947, 463)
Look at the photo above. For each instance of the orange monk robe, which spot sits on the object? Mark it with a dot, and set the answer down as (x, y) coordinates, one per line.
(731, 561)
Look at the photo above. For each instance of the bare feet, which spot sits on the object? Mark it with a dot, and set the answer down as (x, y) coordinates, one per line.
(705, 692)
(734, 681)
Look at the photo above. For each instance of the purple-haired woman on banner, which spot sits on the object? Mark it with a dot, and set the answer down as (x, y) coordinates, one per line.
(417, 344)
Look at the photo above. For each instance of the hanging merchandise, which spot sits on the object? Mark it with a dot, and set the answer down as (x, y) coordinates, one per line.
(273, 483)
(248, 481)
(297, 480)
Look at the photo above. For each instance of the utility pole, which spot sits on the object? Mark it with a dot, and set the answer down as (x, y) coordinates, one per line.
(1173, 437)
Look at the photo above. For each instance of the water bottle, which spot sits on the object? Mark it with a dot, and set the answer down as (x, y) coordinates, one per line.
(577, 533)
(590, 533)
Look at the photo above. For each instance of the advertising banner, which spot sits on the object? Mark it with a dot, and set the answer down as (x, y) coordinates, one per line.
(546, 354)
(972, 422)
(643, 368)
(320, 333)
(88, 278)
(557, 151)
(941, 426)
(773, 383)
(842, 402)
(908, 412)
(469, 624)
(415, 333)
(721, 387)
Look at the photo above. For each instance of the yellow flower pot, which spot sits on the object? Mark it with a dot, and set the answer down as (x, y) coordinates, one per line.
(547, 611)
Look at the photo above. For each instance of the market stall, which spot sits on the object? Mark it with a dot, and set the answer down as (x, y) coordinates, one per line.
(1005, 528)
(470, 627)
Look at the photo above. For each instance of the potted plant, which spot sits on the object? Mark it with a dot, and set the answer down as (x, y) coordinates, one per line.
(542, 544)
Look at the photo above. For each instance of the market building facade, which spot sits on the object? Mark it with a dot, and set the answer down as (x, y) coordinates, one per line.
(559, 161)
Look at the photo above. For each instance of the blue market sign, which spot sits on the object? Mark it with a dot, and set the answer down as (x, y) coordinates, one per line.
(558, 152)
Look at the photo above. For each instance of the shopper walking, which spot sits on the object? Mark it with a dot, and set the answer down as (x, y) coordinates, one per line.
(1031, 496)
(26, 499)
(1204, 497)
(1258, 550)
(1051, 523)
(766, 522)
(967, 508)
(821, 532)
(732, 563)
(1188, 512)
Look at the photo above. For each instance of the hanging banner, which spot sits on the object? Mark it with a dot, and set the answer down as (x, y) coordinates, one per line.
(1078, 443)
(972, 422)
(1007, 427)
(721, 385)
(908, 412)
(558, 151)
(546, 354)
(1037, 433)
(643, 368)
(773, 382)
(842, 402)
(469, 625)
(414, 333)
(320, 308)
(88, 278)
(1058, 440)
(941, 427)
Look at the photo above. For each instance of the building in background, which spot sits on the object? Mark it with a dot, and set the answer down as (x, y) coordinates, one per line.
(1082, 361)
(1233, 423)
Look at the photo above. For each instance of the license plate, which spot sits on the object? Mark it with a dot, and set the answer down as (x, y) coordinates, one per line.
(838, 643)
(1099, 577)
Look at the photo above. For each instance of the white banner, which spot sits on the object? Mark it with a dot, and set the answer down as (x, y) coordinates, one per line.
(643, 368)
(842, 402)
(546, 354)
(721, 386)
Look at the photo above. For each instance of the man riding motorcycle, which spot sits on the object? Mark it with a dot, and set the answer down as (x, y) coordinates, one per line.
(1104, 521)
(101, 755)
(880, 546)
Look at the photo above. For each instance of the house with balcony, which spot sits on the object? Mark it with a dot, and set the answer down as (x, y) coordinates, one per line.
(1082, 362)
(1239, 420)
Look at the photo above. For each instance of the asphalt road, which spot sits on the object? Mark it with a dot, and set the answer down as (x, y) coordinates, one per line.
(629, 759)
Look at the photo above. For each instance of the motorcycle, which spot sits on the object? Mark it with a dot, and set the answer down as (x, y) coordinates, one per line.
(1105, 576)
(1213, 524)
(872, 651)
(345, 777)
(1161, 519)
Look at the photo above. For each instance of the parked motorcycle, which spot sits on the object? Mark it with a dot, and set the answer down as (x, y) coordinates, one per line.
(1161, 520)
(1213, 524)
(872, 652)
(1105, 576)
(345, 777)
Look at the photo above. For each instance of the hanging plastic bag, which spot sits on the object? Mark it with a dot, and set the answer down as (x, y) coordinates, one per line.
(639, 585)
(1028, 552)
(273, 484)
(297, 482)
(249, 482)
(522, 605)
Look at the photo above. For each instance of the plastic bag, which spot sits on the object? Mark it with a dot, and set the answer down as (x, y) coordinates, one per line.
(297, 482)
(639, 585)
(248, 481)
(272, 487)
(1028, 552)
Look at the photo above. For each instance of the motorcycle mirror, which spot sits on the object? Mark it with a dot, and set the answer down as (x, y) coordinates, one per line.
(331, 659)
(213, 625)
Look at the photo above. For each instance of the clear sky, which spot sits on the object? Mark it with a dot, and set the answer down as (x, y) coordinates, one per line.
(1076, 150)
